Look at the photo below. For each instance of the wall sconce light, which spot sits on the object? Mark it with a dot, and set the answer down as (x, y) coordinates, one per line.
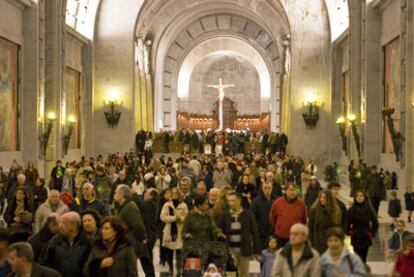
(311, 117)
(396, 137)
(342, 124)
(44, 138)
(357, 138)
(112, 116)
(68, 135)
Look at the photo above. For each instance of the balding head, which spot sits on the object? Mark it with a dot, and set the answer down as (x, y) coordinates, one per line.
(21, 179)
(298, 234)
(54, 197)
(88, 191)
(70, 224)
(52, 222)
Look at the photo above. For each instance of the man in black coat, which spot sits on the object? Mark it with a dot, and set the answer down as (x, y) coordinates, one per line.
(21, 259)
(375, 188)
(130, 214)
(40, 240)
(89, 202)
(260, 209)
(68, 250)
(240, 229)
(140, 139)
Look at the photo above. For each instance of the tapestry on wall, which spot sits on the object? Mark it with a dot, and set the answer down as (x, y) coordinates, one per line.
(9, 70)
(72, 104)
(391, 89)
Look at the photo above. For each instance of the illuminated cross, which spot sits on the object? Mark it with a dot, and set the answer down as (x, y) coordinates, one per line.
(221, 88)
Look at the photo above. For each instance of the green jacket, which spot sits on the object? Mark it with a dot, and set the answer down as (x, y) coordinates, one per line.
(201, 226)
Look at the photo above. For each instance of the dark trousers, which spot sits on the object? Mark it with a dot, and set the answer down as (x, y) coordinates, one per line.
(170, 258)
(375, 201)
(362, 251)
(147, 266)
(281, 242)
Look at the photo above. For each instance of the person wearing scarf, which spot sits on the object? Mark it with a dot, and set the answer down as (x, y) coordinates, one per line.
(173, 214)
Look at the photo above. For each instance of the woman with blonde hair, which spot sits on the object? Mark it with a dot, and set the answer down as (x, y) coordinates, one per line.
(323, 215)
(221, 203)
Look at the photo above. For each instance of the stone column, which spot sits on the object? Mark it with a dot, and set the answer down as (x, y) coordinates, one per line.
(373, 86)
(54, 72)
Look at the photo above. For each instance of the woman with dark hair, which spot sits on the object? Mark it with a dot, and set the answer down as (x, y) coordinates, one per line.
(247, 190)
(112, 254)
(19, 214)
(31, 173)
(173, 214)
(91, 221)
(312, 192)
(362, 224)
(324, 214)
(39, 192)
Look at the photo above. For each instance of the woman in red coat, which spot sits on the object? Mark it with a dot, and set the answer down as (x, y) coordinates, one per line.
(404, 266)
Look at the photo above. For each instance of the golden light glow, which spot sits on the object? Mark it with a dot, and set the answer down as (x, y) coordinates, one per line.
(113, 94)
(311, 97)
(51, 116)
(340, 120)
(71, 118)
(351, 117)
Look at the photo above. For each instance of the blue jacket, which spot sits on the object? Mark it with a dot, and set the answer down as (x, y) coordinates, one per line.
(350, 264)
(394, 242)
(267, 261)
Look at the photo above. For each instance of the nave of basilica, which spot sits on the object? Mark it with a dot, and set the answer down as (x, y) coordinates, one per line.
(118, 109)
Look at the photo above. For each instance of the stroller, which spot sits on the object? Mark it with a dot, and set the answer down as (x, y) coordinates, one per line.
(197, 255)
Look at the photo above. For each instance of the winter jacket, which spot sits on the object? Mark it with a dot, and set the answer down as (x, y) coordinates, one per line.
(362, 224)
(312, 195)
(243, 190)
(307, 266)
(124, 260)
(103, 187)
(201, 226)
(40, 240)
(375, 187)
(320, 220)
(84, 205)
(260, 209)
(44, 211)
(284, 213)
(394, 208)
(396, 239)
(136, 232)
(221, 178)
(405, 265)
(39, 196)
(409, 201)
(267, 260)
(65, 258)
(250, 242)
(180, 212)
(9, 215)
(350, 264)
(40, 271)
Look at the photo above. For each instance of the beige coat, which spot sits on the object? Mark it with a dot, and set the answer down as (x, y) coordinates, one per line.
(180, 213)
(308, 265)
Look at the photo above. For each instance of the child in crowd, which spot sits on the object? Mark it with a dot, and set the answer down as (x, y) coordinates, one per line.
(268, 257)
(394, 208)
(409, 202)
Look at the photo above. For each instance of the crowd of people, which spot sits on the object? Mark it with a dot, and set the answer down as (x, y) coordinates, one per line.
(98, 216)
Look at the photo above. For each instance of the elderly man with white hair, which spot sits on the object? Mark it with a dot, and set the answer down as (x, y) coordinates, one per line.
(53, 204)
(297, 258)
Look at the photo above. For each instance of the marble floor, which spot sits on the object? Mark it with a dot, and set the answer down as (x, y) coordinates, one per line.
(377, 261)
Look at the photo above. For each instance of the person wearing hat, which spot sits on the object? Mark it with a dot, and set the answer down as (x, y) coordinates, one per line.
(312, 192)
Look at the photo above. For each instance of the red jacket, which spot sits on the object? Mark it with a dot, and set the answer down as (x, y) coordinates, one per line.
(284, 214)
(405, 265)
